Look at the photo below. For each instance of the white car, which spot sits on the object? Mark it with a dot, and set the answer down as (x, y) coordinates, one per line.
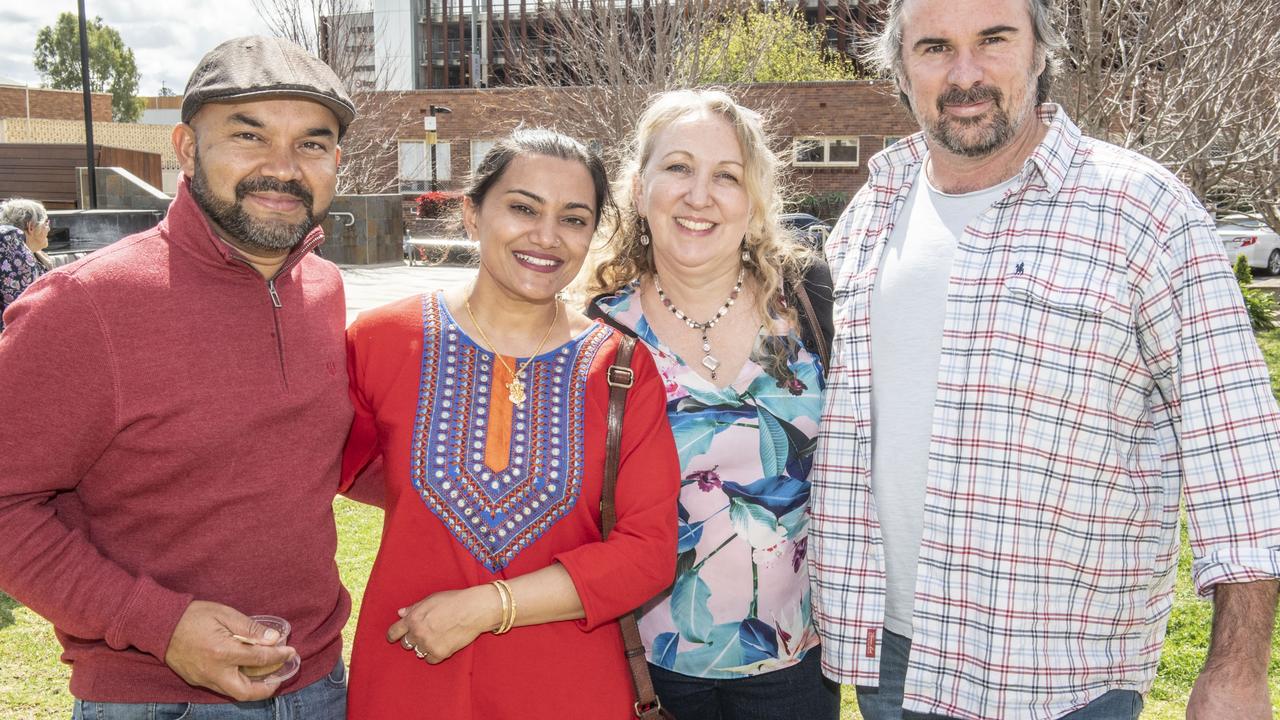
(1250, 236)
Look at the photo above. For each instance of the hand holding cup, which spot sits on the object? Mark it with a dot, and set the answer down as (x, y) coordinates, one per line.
(208, 648)
(269, 630)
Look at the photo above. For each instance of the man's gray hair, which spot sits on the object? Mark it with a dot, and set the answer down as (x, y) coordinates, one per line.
(885, 51)
(20, 212)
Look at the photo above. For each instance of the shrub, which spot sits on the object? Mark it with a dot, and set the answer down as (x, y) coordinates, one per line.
(1259, 303)
(436, 203)
(824, 206)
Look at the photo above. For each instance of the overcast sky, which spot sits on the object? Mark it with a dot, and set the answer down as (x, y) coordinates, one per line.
(168, 37)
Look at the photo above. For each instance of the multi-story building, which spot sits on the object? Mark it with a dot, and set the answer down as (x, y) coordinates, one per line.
(443, 44)
(348, 42)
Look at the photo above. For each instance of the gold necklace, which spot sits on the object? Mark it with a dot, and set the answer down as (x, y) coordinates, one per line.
(515, 388)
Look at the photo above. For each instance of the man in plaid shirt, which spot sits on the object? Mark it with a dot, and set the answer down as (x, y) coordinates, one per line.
(1040, 349)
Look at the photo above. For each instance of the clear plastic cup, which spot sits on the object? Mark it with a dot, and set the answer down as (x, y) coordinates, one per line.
(278, 672)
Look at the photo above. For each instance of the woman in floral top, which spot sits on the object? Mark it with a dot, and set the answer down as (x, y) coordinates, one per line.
(700, 270)
(24, 233)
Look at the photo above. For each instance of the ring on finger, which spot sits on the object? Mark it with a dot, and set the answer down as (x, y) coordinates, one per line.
(405, 642)
(421, 655)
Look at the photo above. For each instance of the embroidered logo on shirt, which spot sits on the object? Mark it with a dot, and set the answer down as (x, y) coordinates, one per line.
(1019, 268)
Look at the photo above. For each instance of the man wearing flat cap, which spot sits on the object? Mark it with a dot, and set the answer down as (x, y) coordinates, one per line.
(190, 413)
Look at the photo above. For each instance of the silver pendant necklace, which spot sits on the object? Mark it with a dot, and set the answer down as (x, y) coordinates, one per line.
(709, 361)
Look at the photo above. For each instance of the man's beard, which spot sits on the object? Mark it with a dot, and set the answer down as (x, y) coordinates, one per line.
(250, 232)
(955, 135)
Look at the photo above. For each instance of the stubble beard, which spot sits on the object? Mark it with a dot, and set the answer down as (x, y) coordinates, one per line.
(245, 229)
(981, 135)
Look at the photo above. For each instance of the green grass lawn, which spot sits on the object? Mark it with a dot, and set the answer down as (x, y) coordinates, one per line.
(33, 684)
(1270, 344)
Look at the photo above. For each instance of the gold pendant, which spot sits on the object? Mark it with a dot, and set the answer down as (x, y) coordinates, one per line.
(515, 392)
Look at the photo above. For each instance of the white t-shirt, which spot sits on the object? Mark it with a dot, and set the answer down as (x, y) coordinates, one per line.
(908, 305)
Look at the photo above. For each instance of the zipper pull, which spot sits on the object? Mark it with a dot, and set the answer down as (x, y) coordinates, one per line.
(275, 297)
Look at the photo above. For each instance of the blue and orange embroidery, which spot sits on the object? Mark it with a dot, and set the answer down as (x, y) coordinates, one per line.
(497, 513)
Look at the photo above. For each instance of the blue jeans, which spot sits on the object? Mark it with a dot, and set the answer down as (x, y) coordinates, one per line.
(799, 691)
(324, 699)
(885, 702)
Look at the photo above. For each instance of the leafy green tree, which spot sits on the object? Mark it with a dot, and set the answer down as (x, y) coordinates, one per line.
(772, 44)
(111, 64)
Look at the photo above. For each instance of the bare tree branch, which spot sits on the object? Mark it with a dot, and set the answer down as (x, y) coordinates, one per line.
(610, 56)
(1194, 84)
(341, 32)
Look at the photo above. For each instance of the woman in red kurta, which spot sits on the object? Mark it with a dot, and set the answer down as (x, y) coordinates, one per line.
(493, 466)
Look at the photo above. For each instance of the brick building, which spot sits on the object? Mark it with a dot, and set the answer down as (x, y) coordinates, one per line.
(17, 101)
(827, 131)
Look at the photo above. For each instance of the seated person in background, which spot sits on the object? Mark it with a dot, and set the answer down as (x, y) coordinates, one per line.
(24, 234)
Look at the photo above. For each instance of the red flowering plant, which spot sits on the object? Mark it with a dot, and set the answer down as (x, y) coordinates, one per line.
(436, 203)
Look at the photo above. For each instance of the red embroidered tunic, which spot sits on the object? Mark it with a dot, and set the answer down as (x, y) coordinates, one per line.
(479, 489)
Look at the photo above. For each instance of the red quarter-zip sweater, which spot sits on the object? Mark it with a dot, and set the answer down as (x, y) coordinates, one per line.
(172, 430)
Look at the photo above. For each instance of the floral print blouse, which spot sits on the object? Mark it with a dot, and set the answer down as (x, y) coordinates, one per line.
(18, 267)
(740, 602)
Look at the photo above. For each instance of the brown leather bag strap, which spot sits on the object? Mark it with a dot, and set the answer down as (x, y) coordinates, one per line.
(815, 327)
(621, 377)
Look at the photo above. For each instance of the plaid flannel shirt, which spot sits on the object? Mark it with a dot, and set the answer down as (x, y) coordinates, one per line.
(1097, 364)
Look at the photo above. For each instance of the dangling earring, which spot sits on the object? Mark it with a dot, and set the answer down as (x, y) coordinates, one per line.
(746, 255)
(644, 240)
(644, 231)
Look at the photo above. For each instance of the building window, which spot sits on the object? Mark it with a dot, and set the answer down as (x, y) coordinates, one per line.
(825, 151)
(479, 148)
(889, 140)
(415, 165)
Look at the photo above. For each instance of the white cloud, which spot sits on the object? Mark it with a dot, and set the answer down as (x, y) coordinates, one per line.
(168, 38)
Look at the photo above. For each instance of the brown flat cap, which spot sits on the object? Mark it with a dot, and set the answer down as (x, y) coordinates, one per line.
(262, 68)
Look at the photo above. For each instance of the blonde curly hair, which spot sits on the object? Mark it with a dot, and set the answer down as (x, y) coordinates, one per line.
(776, 256)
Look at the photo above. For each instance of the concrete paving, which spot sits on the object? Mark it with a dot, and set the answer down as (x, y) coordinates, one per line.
(368, 286)
(1270, 283)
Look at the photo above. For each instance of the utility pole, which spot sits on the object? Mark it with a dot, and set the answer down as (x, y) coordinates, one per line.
(474, 57)
(429, 123)
(91, 166)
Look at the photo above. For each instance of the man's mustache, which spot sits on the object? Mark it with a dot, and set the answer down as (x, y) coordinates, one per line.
(267, 184)
(975, 94)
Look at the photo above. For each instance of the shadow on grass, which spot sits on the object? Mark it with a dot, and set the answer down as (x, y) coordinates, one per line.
(7, 604)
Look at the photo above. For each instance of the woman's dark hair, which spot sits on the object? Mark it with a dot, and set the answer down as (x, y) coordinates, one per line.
(540, 141)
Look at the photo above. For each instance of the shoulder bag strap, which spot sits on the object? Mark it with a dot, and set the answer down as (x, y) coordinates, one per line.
(621, 377)
(594, 312)
(815, 327)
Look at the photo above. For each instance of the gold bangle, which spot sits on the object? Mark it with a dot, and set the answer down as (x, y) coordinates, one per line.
(511, 613)
(511, 619)
(506, 606)
(504, 594)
